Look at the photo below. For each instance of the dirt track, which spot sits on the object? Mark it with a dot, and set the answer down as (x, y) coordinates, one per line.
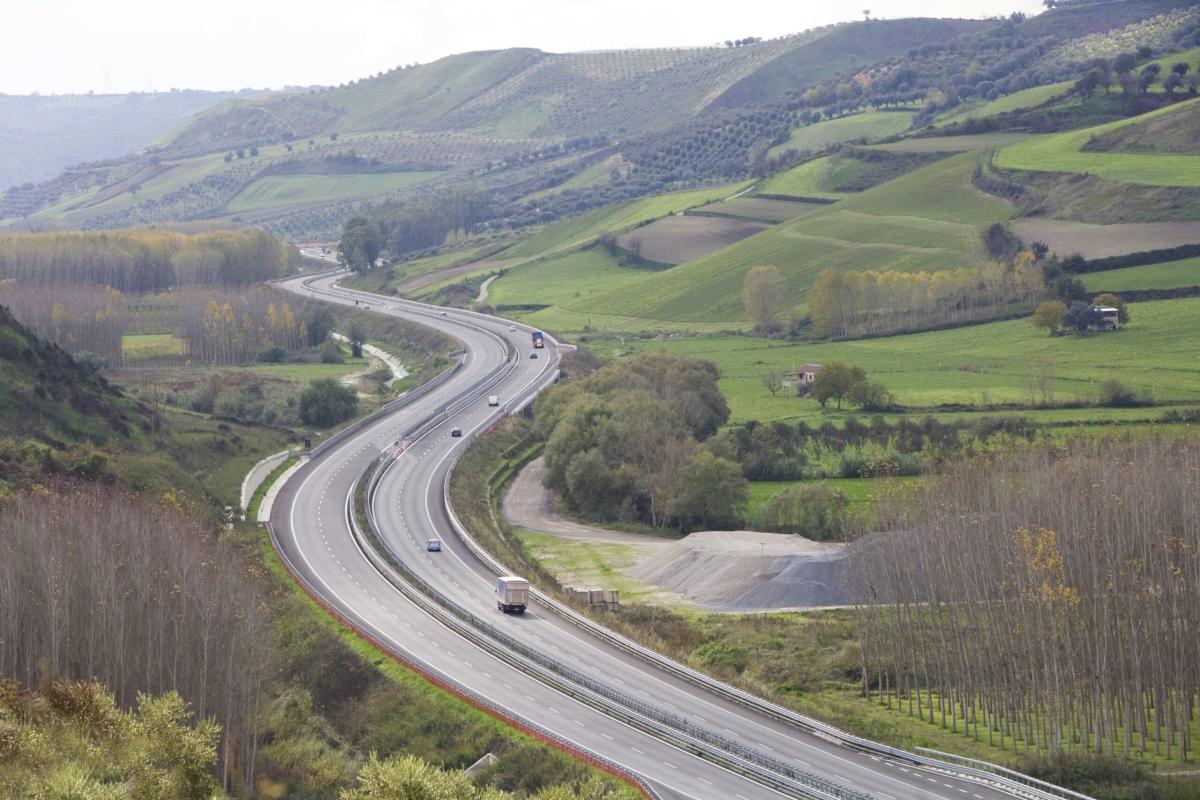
(528, 504)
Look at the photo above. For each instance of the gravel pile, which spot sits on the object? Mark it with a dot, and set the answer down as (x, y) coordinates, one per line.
(748, 570)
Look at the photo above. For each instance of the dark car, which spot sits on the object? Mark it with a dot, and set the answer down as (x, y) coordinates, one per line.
(456, 431)
(533, 355)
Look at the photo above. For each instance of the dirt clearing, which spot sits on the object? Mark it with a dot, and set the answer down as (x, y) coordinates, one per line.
(1101, 241)
(676, 239)
(717, 570)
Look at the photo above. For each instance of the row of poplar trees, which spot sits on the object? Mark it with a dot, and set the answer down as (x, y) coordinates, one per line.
(143, 260)
(1045, 600)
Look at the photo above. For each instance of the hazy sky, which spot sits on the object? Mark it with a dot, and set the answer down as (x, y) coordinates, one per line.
(66, 46)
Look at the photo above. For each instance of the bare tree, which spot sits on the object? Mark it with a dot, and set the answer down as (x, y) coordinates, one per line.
(773, 380)
(1046, 600)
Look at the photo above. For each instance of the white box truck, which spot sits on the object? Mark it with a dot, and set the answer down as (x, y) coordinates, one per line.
(512, 594)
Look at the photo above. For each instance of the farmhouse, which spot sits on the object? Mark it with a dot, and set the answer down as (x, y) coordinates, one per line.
(1107, 319)
(801, 378)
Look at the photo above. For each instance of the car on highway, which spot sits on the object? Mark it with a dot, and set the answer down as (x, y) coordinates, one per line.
(434, 545)
(533, 355)
(512, 327)
(456, 431)
(442, 313)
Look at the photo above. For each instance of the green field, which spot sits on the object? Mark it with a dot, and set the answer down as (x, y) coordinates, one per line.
(284, 190)
(615, 219)
(150, 345)
(929, 219)
(1157, 351)
(951, 144)
(802, 180)
(1027, 98)
(1167, 275)
(869, 125)
(1062, 152)
(569, 280)
(860, 491)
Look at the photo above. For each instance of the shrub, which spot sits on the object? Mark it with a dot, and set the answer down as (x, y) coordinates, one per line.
(812, 510)
(272, 355)
(1115, 394)
(330, 353)
(326, 402)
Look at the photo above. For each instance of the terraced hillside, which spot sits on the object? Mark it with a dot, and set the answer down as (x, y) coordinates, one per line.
(929, 219)
(523, 93)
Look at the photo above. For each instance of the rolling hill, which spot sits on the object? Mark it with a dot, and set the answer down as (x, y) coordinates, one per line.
(522, 93)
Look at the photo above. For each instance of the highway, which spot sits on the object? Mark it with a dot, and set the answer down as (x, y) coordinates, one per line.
(311, 527)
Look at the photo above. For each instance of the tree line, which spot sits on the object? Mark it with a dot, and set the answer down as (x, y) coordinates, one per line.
(236, 327)
(143, 260)
(415, 223)
(99, 584)
(874, 448)
(850, 303)
(1045, 599)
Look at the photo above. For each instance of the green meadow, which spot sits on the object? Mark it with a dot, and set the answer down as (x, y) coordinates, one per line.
(1063, 152)
(1158, 351)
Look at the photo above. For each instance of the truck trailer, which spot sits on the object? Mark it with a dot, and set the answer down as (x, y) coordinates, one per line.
(512, 594)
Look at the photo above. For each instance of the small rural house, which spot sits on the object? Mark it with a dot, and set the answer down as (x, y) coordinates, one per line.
(801, 378)
(1109, 319)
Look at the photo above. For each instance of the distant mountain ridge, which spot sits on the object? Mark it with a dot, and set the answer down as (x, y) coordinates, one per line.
(40, 135)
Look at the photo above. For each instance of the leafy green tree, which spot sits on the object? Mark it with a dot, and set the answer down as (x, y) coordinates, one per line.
(1067, 288)
(871, 396)
(1112, 301)
(326, 402)
(808, 509)
(357, 338)
(835, 380)
(410, 778)
(1048, 315)
(318, 325)
(360, 244)
(596, 488)
(712, 491)
(764, 296)
(1079, 316)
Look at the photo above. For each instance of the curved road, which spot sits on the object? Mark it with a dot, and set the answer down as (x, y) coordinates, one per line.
(309, 521)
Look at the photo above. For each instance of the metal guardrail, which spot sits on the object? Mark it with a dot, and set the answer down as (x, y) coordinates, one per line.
(661, 724)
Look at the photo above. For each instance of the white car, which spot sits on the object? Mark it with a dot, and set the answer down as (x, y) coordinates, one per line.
(442, 313)
(512, 327)
(434, 545)
(494, 400)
